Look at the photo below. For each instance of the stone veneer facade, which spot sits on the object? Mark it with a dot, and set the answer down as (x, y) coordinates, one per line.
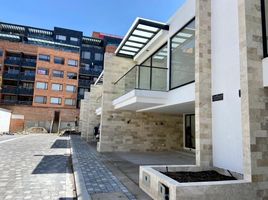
(88, 117)
(132, 131)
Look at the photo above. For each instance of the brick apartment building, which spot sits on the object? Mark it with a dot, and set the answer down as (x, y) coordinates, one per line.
(44, 74)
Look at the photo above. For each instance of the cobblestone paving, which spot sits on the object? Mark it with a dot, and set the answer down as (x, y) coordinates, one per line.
(97, 176)
(35, 167)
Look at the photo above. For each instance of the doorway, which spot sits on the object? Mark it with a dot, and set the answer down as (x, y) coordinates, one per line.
(189, 131)
(56, 122)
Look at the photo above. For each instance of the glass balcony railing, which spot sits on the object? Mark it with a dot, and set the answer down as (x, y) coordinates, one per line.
(13, 60)
(95, 72)
(11, 75)
(25, 91)
(27, 62)
(85, 83)
(143, 78)
(6, 89)
(27, 76)
(15, 102)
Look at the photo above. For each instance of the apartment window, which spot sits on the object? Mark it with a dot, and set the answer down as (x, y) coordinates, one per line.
(182, 55)
(71, 75)
(74, 39)
(42, 71)
(71, 88)
(98, 56)
(59, 60)
(40, 99)
(70, 102)
(41, 85)
(58, 74)
(44, 57)
(61, 37)
(264, 9)
(86, 54)
(73, 63)
(1, 52)
(55, 100)
(56, 87)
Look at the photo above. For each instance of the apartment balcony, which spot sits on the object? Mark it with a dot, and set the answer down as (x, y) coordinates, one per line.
(146, 88)
(91, 72)
(15, 102)
(27, 62)
(85, 83)
(6, 89)
(13, 61)
(27, 76)
(11, 75)
(25, 91)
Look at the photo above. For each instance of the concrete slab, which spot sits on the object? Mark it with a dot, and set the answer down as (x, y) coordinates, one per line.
(109, 196)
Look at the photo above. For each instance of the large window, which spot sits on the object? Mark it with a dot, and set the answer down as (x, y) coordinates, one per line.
(44, 57)
(40, 99)
(58, 74)
(59, 60)
(55, 100)
(70, 102)
(41, 85)
(56, 87)
(42, 71)
(182, 55)
(265, 27)
(61, 37)
(71, 88)
(86, 54)
(73, 63)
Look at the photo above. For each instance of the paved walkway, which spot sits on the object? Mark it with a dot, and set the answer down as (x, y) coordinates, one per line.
(100, 182)
(35, 167)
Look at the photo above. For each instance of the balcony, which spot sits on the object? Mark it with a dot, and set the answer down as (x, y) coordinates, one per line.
(91, 72)
(85, 83)
(25, 91)
(15, 102)
(145, 88)
(13, 61)
(27, 76)
(28, 62)
(12, 75)
(6, 89)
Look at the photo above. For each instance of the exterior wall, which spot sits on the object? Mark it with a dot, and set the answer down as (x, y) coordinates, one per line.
(16, 123)
(131, 131)
(5, 116)
(42, 116)
(225, 59)
(50, 79)
(88, 117)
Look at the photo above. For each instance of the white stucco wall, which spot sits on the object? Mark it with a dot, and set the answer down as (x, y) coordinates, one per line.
(5, 116)
(226, 114)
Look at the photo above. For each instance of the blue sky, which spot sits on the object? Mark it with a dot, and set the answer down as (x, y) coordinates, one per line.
(108, 16)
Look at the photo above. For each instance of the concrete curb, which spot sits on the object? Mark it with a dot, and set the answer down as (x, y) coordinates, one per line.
(81, 189)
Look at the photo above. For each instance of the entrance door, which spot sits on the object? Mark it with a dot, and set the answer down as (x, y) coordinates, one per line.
(56, 121)
(189, 136)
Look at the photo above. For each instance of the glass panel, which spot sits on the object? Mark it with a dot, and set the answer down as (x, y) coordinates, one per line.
(72, 63)
(159, 59)
(183, 56)
(159, 79)
(59, 60)
(144, 78)
(56, 87)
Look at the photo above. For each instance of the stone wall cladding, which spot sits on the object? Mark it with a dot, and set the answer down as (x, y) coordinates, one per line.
(129, 130)
(203, 114)
(254, 97)
(88, 117)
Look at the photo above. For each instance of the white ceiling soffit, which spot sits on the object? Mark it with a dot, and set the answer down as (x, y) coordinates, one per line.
(139, 35)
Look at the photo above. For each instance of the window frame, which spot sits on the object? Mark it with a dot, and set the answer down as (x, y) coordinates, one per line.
(72, 73)
(73, 102)
(60, 87)
(59, 35)
(56, 98)
(264, 29)
(170, 57)
(45, 88)
(57, 76)
(44, 102)
(73, 91)
(73, 65)
(42, 68)
(59, 58)
(44, 60)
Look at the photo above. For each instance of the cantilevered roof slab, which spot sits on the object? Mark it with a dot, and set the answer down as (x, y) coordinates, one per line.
(141, 33)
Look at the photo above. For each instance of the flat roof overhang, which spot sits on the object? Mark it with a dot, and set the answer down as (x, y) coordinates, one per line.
(139, 35)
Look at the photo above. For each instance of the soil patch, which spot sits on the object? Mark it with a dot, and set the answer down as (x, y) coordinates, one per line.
(203, 176)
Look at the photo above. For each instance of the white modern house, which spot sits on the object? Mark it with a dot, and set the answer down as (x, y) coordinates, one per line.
(197, 82)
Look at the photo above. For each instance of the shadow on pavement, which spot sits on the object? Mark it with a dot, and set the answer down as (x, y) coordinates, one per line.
(51, 164)
(60, 144)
